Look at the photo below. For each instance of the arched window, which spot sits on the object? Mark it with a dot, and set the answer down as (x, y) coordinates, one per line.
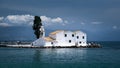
(80, 42)
(72, 35)
(51, 42)
(69, 41)
(65, 35)
(77, 37)
(83, 37)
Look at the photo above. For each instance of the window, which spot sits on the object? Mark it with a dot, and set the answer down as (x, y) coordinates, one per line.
(65, 35)
(80, 42)
(72, 35)
(83, 37)
(77, 37)
(69, 41)
(51, 42)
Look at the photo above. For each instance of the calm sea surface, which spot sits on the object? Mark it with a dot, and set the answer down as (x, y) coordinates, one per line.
(106, 57)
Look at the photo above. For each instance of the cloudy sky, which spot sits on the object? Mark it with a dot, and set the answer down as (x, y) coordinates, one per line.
(100, 19)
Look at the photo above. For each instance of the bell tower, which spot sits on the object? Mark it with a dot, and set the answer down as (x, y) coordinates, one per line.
(42, 30)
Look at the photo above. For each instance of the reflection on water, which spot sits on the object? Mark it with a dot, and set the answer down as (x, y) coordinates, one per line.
(36, 56)
(59, 55)
(106, 57)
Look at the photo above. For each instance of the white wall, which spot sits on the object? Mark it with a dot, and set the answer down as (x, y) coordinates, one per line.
(61, 40)
(80, 35)
(60, 36)
(69, 39)
(48, 44)
(43, 30)
(39, 42)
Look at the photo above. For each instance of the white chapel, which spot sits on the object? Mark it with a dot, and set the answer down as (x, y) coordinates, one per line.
(62, 38)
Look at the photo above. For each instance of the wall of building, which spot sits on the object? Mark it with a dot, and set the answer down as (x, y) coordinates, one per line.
(39, 42)
(48, 44)
(64, 38)
(81, 38)
(69, 39)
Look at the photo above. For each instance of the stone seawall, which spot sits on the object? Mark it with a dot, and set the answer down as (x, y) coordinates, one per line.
(90, 45)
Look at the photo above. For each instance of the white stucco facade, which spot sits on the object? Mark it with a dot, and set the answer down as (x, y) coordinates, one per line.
(63, 39)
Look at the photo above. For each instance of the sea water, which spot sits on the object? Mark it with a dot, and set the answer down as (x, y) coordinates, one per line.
(106, 57)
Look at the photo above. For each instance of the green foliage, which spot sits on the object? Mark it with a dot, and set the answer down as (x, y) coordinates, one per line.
(37, 25)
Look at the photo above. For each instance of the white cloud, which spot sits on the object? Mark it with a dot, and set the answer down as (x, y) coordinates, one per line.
(54, 20)
(114, 27)
(4, 24)
(1, 18)
(96, 23)
(66, 22)
(58, 19)
(82, 23)
(19, 20)
(50, 21)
